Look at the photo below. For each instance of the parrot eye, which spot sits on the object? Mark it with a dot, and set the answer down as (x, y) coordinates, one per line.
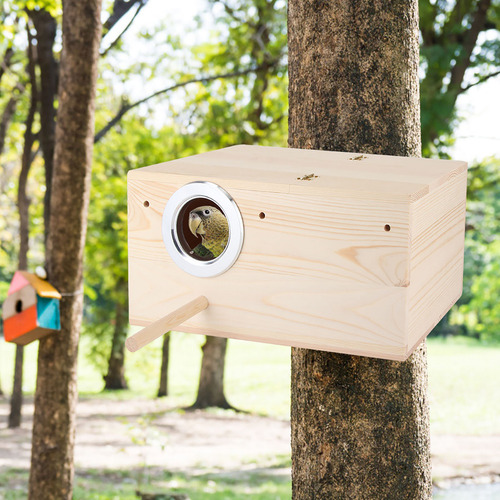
(207, 212)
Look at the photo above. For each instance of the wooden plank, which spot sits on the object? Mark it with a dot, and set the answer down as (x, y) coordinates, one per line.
(334, 238)
(36, 334)
(43, 288)
(18, 282)
(19, 324)
(48, 313)
(437, 252)
(22, 299)
(281, 170)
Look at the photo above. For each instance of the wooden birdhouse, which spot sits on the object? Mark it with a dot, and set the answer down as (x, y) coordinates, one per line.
(343, 252)
(31, 309)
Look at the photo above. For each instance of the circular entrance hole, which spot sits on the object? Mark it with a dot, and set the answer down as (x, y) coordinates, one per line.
(19, 306)
(202, 229)
(387, 227)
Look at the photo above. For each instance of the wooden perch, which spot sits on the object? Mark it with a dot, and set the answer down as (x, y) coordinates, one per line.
(165, 324)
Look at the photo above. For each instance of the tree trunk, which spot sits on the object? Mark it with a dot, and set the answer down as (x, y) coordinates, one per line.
(23, 203)
(52, 466)
(16, 399)
(46, 27)
(360, 426)
(165, 356)
(211, 386)
(115, 378)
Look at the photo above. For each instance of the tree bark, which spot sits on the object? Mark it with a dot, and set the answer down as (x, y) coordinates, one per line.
(360, 426)
(52, 466)
(115, 377)
(211, 386)
(165, 357)
(23, 203)
(16, 398)
(46, 28)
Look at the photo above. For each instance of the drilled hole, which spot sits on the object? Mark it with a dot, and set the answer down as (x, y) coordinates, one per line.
(19, 306)
(387, 227)
(262, 215)
(146, 203)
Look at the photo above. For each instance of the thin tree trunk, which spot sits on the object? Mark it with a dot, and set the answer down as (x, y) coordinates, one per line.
(211, 386)
(115, 377)
(46, 27)
(16, 398)
(52, 465)
(360, 426)
(165, 356)
(23, 203)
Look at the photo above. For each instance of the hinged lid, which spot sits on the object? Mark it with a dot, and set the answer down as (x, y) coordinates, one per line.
(287, 170)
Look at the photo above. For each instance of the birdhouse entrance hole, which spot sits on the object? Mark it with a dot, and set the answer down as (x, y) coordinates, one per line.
(19, 306)
(202, 229)
(194, 223)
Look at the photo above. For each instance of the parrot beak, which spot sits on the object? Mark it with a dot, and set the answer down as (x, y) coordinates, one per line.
(195, 224)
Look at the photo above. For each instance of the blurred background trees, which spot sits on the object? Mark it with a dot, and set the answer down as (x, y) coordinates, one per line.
(164, 93)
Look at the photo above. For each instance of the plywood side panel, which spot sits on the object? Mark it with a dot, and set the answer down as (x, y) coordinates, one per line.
(437, 204)
(337, 239)
(437, 252)
(315, 272)
(281, 309)
(23, 298)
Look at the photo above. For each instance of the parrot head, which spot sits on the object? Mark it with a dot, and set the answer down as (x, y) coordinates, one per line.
(211, 225)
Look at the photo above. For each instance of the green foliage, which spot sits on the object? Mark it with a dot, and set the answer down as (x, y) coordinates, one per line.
(479, 311)
(252, 108)
(457, 50)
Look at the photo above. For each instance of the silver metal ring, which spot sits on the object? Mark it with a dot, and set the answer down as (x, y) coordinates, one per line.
(173, 208)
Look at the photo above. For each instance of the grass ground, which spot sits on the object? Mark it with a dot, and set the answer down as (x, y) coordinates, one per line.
(463, 387)
(463, 378)
(118, 485)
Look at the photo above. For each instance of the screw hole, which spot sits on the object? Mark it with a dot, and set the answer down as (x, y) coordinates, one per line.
(387, 227)
(146, 203)
(262, 215)
(19, 306)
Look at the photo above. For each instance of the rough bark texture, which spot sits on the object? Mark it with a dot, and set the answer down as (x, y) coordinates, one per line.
(165, 356)
(360, 426)
(211, 386)
(46, 27)
(23, 203)
(115, 378)
(52, 467)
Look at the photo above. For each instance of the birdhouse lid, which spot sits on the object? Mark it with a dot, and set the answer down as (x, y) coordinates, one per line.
(287, 170)
(42, 288)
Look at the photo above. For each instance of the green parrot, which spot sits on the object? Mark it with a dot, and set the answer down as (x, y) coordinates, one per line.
(211, 225)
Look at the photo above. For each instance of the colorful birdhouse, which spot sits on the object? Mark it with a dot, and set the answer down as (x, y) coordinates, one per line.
(343, 252)
(31, 309)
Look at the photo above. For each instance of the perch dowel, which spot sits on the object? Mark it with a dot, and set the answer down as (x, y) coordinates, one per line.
(168, 322)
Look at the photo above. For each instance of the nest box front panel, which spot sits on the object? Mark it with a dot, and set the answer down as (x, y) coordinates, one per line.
(313, 272)
(327, 262)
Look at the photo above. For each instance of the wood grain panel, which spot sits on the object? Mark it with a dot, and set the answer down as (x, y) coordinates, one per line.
(336, 238)
(437, 253)
(258, 168)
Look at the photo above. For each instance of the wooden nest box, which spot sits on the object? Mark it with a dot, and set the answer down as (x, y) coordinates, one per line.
(342, 252)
